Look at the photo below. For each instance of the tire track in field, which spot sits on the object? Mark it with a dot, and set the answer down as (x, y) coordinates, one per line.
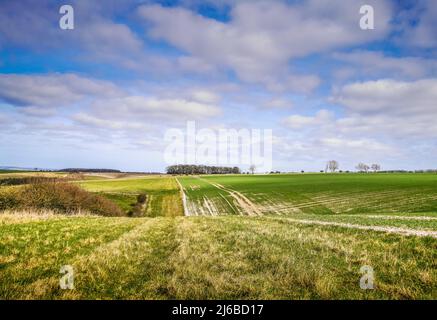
(184, 199)
(47, 285)
(246, 206)
(135, 258)
(229, 204)
(212, 209)
(396, 230)
(346, 201)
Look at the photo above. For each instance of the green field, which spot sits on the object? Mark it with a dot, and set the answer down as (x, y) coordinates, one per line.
(163, 193)
(311, 193)
(302, 236)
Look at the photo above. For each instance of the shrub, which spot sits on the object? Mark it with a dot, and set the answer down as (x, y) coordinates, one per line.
(8, 199)
(61, 197)
(142, 198)
(27, 180)
(138, 208)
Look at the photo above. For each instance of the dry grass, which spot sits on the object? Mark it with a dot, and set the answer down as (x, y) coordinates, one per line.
(57, 196)
(304, 256)
(163, 195)
(31, 215)
(210, 258)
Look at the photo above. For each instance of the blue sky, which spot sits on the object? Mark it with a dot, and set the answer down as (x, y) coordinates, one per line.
(104, 94)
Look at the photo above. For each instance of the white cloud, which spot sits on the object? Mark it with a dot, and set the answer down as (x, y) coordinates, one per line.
(92, 121)
(346, 144)
(323, 117)
(205, 96)
(97, 37)
(113, 42)
(3, 119)
(384, 120)
(262, 37)
(387, 96)
(195, 65)
(377, 64)
(38, 111)
(420, 27)
(259, 44)
(150, 108)
(278, 103)
(51, 90)
(384, 109)
(312, 152)
(298, 83)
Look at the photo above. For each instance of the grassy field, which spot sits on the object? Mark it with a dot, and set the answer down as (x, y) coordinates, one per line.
(163, 193)
(311, 193)
(210, 257)
(248, 237)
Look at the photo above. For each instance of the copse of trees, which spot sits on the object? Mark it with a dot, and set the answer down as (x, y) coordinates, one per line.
(410, 171)
(362, 167)
(201, 169)
(333, 166)
(375, 167)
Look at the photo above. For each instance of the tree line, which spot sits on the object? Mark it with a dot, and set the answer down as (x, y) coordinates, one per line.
(362, 167)
(333, 166)
(200, 169)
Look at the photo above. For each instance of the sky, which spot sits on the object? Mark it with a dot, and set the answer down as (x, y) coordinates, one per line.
(104, 94)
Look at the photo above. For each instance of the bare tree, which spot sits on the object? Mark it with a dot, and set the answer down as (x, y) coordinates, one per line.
(332, 165)
(375, 167)
(362, 167)
(252, 168)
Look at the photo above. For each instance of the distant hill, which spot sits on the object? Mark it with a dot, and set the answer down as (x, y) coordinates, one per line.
(88, 170)
(9, 168)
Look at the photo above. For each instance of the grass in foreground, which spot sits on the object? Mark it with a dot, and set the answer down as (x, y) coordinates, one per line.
(210, 258)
